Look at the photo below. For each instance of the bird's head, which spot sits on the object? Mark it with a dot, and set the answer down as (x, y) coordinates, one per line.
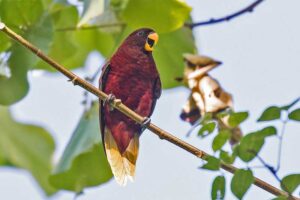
(144, 38)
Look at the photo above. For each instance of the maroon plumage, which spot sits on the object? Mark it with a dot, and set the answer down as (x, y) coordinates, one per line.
(130, 75)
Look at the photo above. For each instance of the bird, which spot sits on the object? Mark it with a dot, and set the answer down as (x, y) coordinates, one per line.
(131, 76)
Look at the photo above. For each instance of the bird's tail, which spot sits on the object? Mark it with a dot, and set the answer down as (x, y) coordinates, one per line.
(122, 165)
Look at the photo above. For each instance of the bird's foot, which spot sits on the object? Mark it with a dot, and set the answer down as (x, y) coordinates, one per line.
(74, 80)
(146, 122)
(109, 101)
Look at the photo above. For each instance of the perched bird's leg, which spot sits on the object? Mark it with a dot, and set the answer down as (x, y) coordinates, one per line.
(146, 122)
(109, 100)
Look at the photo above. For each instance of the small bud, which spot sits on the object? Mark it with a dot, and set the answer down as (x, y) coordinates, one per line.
(2, 26)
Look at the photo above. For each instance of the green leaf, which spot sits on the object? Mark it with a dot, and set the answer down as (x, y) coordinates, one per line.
(63, 47)
(229, 159)
(280, 198)
(270, 113)
(252, 143)
(213, 164)
(4, 42)
(83, 163)
(95, 40)
(290, 183)
(220, 139)
(2, 157)
(71, 48)
(14, 88)
(20, 13)
(168, 55)
(64, 17)
(218, 188)
(237, 118)
(62, 51)
(295, 115)
(241, 182)
(162, 17)
(268, 131)
(26, 146)
(250, 146)
(91, 9)
(118, 5)
(28, 20)
(65, 2)
(207, 128)
(46, 3)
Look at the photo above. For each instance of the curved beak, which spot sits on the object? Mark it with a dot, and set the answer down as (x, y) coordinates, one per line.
(151, 41)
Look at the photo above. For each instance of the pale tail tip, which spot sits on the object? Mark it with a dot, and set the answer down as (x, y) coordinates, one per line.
(130, 178)
(123, 182)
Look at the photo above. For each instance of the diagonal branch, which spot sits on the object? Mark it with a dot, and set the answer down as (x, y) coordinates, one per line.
(249, 8)
(131, 114)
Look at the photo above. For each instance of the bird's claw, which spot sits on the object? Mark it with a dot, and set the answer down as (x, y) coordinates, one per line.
(109, 100)
(74, 80)
(146, 121)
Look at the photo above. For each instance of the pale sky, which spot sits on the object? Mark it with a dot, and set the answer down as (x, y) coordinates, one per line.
(260, 52)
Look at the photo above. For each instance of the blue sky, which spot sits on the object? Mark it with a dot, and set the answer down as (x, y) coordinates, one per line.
(260, 52)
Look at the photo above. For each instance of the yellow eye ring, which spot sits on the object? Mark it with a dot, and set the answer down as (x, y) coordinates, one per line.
(151, 41)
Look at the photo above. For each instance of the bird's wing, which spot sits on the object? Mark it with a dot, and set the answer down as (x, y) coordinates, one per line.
(122, 164)
(102, 81)
(156, 92)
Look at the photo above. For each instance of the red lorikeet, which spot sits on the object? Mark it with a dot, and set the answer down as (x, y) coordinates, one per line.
(131, 76)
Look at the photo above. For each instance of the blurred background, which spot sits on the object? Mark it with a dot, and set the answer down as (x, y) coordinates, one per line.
(259, 51)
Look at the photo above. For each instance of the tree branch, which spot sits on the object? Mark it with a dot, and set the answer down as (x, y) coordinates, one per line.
(131, 114)
(249, 8)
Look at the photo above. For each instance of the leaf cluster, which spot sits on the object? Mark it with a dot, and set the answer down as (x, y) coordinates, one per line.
(246, 150)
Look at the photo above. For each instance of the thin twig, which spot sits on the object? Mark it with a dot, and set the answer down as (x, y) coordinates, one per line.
(269, 167)
(131, 114)
(94, 76)
(284, 122)
(86, 100)
(90, 27)
(197, 123)
(249, 8)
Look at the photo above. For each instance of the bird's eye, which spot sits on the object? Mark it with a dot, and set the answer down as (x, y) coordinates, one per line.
(141, 33)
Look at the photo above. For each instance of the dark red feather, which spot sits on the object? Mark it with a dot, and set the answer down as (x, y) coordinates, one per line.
(131, 76)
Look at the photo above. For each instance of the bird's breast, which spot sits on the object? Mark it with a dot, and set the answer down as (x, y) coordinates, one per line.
(131, 84)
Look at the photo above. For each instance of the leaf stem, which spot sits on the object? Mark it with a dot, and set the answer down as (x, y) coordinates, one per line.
(131, 114)
(90, 27)
(284, 122)
(269, 167)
